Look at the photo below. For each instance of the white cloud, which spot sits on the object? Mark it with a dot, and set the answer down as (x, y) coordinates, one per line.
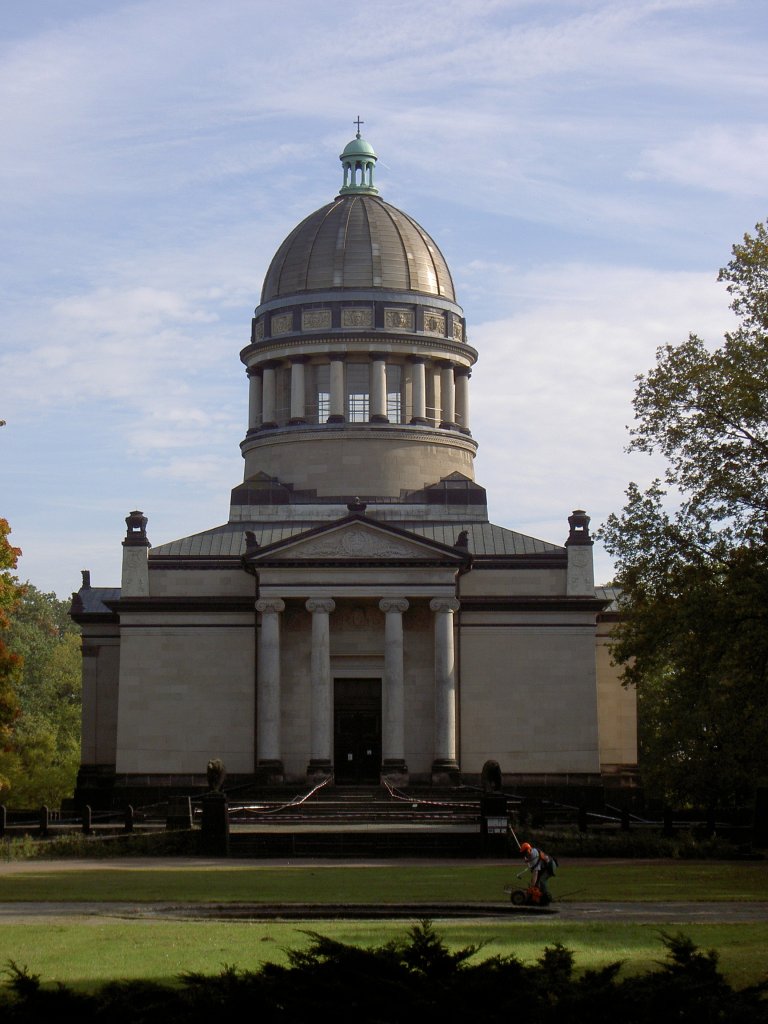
(552, 391)
(721, 158)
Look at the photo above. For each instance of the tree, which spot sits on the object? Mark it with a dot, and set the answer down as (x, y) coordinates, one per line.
(692, 554)
(40, 761)
(10, 662)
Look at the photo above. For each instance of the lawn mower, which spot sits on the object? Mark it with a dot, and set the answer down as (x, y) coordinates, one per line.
(532, 896)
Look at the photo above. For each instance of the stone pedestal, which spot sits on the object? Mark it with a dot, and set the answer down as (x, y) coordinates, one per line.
(215, 828)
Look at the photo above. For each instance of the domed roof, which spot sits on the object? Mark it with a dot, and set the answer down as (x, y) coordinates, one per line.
(358, 241)
(357, 147)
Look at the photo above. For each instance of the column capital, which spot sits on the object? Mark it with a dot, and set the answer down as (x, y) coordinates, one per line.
(444, 604)
(463, 371)
(270, 604)
(394, 604)
(253, 371)
(320, 604)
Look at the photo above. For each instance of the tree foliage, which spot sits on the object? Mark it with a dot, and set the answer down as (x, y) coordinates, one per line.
(692, 553)
(40, 760)
(10, 661)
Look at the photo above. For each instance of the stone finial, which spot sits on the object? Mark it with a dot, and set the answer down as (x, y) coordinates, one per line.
(216, 773)
(251, 544)
(462, 541)
(578, 522)
(136, 534)
(580, 576)
(356, 505)
(490, 777)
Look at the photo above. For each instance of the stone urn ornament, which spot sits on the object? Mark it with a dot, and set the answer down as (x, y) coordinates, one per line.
(216, 774)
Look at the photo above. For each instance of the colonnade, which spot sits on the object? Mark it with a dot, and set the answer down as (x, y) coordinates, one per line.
(453, 389)
(268, 698)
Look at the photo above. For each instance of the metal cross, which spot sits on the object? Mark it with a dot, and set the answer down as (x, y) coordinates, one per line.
(358, 122)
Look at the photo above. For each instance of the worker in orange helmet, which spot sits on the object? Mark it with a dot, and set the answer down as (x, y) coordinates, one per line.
(540, 864)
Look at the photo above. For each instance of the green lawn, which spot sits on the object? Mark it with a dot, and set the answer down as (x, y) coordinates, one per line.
(87, 950)
(385, 883)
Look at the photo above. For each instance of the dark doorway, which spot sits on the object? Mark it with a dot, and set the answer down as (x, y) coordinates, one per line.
(356, 730)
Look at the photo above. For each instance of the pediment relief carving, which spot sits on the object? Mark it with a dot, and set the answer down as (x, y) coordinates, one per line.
(356, 541)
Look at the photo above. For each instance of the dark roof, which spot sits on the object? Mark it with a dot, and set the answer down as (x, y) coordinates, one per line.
(228, 540)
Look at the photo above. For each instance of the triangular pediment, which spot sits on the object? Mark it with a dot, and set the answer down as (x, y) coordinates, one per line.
(356, 539)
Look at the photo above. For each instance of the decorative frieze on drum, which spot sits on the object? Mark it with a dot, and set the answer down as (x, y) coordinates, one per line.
(434, 323)
(399, 319)
(282, 324)
(352, 317)
(316, 320)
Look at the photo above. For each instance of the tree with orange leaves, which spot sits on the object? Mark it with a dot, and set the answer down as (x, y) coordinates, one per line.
(11, 592)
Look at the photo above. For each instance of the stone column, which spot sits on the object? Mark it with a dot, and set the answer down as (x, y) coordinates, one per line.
(393, 726)
(463, 373)
(268, 407)
(268, 745)
(378, 388)
(336, 411)
(298, 410)
(254, 399)
(419, 392)
(321, 724)
(448, 397)
(445, 685)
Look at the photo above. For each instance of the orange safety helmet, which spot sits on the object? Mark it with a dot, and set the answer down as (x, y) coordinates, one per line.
(525, 848)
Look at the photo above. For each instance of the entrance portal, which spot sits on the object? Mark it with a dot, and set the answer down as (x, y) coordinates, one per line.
(356, 730)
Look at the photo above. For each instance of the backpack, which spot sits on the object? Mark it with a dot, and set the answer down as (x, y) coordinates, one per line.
(551, 865)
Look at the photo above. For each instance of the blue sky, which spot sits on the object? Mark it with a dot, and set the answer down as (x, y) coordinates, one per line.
(584, 166)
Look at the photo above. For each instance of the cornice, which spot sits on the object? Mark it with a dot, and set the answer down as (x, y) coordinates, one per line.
(342, 341)
(358, 431)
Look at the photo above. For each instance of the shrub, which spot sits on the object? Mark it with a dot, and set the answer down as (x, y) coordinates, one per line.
(417, 977)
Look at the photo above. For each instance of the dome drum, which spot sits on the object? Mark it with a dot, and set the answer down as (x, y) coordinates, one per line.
(343, 316)
(363, 384)
(387, 459)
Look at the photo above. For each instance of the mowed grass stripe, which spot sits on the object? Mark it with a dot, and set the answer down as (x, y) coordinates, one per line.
(386, 883)
(87, 952)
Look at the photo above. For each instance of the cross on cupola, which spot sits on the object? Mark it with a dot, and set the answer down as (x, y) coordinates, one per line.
(358, 160)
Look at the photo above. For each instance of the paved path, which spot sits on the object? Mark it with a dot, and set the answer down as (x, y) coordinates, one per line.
(662, 913)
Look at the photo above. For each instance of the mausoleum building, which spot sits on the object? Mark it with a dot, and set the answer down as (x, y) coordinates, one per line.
(357, 616)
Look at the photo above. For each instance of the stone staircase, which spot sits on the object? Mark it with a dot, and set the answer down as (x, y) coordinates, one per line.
(360, 821)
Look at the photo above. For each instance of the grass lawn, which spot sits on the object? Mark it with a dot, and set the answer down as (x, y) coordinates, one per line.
(89, 951)
(388, 882)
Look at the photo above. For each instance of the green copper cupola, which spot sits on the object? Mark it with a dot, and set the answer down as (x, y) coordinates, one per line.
(358, 160)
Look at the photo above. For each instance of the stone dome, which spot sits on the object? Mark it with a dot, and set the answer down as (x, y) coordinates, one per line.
(358, 241)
